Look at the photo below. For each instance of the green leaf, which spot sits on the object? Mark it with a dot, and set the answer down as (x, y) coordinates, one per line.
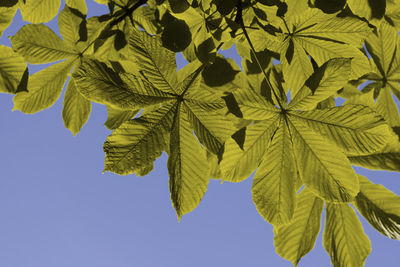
(44, 88)
(39, 44)
(76, 109)
(117, 116)
(12, 68)
(344, 238)
(6, 17)
(382, 46)
(296, 239)
(238, 163)
(331, 178)
(380, 207)
(386, 106)
(386, 159)
(40, 11)
(324, 82)
(187, 166)
(209, 127)
(356, 129)
(296, 65)
(133, 146)
(78, 5)
(368, 9)
(72, 25)
(254, 106)
(274, 185)
(156, 63)
(127, 91)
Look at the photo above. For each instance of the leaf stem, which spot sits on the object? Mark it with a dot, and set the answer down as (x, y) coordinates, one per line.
(239, 19)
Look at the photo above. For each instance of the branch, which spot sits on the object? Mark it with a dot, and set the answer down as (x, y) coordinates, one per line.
(239, 19)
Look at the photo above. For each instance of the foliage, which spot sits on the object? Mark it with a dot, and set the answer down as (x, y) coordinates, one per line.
(215, 120)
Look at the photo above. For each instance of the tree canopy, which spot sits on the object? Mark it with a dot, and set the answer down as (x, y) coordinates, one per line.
(276, 116)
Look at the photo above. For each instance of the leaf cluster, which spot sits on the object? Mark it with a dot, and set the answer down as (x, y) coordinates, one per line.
(276, 116)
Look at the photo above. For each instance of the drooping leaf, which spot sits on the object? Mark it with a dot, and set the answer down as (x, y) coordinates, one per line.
(187, 166)
(388, 158)
(296, 239)
(380, 207)
(76, 109)
(344, 238)
(274, 184)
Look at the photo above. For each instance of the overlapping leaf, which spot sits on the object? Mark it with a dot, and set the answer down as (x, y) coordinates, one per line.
(321, 36)
(384, 47)
(380, 207)
(180, 107)
(332, 178)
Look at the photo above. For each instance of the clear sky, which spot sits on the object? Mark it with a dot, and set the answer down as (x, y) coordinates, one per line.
(58, 210)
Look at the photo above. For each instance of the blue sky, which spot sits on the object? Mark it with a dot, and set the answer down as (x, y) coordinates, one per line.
(58, 210)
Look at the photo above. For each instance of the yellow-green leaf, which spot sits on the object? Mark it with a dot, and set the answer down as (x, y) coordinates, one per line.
(331, 178)
(274, 185)
(44, 88)
(76, 109)
(380, 207)
(12, 68)
(99, 83)
(134, 145)
(294, 240)
(39, 44)
(356, 129)
(239, 162)
(187, 166)
(344, 238)
(40, 11)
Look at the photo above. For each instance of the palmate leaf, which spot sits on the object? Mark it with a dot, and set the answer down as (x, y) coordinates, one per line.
(344, 238)
(332, 178)
(295, 239)
(380, 207)
(12, 69)
(39, 44)
(321, 36)
(176, 107)
(384, 47)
